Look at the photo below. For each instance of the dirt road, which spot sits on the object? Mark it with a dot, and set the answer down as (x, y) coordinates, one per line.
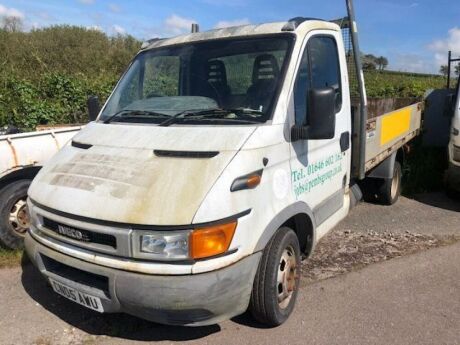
(413, 299)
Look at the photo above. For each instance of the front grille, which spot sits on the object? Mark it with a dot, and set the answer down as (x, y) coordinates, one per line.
(80, 234)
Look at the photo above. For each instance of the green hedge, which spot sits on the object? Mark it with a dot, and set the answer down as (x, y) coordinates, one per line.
(46, 75)
(54, 98)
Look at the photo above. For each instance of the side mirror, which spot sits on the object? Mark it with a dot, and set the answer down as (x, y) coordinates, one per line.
(321, 116)
(93, 107)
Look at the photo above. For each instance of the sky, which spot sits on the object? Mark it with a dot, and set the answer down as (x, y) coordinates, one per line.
(414, 35)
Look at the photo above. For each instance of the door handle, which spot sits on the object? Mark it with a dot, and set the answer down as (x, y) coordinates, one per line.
(345, 141)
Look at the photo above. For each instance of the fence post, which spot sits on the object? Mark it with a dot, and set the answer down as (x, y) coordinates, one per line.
(448, 69)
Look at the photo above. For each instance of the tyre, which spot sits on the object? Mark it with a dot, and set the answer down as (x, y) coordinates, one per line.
(277, 279)
(452, 194)
(14, 219)
(390, 189)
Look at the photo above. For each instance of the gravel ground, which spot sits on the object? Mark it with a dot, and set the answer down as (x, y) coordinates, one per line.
(428, 214)
(427, 227)
(345, 251)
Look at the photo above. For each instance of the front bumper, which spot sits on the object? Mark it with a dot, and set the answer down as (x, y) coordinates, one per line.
(453, 177)
(193, 300)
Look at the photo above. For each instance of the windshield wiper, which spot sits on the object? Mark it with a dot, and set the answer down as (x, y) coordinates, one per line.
(207, 113)
(126, 113)
(248, 111)
(187, 113)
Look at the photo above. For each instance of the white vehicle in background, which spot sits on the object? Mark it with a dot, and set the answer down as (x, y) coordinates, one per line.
(21, 157)
(219, 160)
(453, 173)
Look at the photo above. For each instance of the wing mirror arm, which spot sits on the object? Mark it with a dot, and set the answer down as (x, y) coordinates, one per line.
(93, 108)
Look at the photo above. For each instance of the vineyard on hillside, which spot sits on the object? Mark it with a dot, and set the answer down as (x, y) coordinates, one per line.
(384, 84)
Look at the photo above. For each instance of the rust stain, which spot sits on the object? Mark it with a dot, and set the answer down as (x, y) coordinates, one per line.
(144, 189)
(13, 150)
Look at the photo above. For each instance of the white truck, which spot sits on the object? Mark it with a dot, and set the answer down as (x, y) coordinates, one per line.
(453, 172)
(220, 159)
(21, 157)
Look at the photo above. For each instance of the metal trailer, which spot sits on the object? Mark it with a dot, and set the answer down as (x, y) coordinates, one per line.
(452, 178)
(22, 156)
(442, 122)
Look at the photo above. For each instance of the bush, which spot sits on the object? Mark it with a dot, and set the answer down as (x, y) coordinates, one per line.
(53, 99)
(47, 75)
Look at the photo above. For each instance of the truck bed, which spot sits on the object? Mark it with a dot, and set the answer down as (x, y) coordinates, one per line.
(33, 148)
(388, 132)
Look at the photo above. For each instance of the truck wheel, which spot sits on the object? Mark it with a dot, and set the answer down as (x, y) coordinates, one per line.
(277, 279)
(390, 190)
(452, 194)
(14, 218)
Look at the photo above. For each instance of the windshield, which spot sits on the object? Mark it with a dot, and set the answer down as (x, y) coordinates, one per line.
(231, 81)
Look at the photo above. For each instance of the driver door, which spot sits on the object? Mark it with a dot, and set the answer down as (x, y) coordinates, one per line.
(320, 167)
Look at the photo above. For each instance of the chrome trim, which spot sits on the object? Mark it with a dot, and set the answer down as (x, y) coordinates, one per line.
(122, 235)
(112, 224)
(112, 262)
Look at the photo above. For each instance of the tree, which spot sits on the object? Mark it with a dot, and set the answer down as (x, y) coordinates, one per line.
(12, 24)
(457, 70)
(382, 63)
(443, 70)
(372, 62)
(369, 62)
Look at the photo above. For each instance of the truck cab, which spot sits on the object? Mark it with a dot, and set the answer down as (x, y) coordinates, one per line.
(220, 159)
(453, 173)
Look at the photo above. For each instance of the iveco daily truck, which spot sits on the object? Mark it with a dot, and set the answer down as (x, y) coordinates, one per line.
(219, 160)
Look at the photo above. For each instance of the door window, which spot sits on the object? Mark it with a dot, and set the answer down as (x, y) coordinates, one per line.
(319, 68)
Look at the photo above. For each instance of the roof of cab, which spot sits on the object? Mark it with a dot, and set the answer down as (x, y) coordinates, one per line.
(298, 25)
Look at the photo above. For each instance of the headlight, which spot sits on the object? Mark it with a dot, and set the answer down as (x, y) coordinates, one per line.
(183, 245)
(170, 245)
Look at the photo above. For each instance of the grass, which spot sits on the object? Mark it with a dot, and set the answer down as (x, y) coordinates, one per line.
(10, 258)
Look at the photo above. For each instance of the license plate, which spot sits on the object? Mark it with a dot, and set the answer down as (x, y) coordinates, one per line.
(82, 298)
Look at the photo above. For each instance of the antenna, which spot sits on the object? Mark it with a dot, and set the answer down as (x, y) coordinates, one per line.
(195, 28)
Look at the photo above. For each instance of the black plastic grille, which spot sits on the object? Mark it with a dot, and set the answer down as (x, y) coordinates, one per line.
(80, 234)
(74, 274)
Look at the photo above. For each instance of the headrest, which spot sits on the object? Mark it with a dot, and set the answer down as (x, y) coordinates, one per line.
(217, 72)
(265, 67)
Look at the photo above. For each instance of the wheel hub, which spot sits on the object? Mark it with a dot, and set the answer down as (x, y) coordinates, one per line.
(287, 277)
(19, 217)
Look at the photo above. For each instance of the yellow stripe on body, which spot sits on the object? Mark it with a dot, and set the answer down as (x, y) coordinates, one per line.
(395, 124)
